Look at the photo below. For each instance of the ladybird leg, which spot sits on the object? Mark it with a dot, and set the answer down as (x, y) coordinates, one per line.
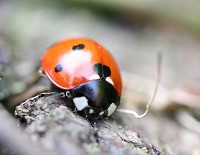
(75, 110)
(68, 94)
(68, 98)
(62, 95)
(65, 94)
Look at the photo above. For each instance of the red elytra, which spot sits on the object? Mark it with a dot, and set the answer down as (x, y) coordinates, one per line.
(70, 63)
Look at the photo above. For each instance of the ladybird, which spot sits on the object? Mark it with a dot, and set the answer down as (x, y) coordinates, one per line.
(87, 73)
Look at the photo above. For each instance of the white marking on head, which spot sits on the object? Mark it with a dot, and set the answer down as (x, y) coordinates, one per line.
(111, 109)
(80, 103)
(91, 111)
(94, 77)
(108, 79)
(101, 113)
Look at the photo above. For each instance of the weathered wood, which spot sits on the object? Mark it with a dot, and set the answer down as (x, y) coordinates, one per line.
(13, 141)
(56, 128)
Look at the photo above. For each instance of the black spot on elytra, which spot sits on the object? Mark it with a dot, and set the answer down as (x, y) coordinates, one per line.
(78, 47)
(102, 70)
(58, 68)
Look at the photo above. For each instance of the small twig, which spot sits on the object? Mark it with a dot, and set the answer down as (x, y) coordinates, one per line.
(30, 80)
(153, 96)
(14, 101)
(188, 121)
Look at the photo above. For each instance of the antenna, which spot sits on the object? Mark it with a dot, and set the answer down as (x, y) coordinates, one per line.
(159, 63)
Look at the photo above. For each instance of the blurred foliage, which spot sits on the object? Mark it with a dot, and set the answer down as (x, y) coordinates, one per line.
(183, 13)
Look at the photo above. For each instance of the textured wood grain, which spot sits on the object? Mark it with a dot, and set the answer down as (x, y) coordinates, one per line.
(55, 127)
